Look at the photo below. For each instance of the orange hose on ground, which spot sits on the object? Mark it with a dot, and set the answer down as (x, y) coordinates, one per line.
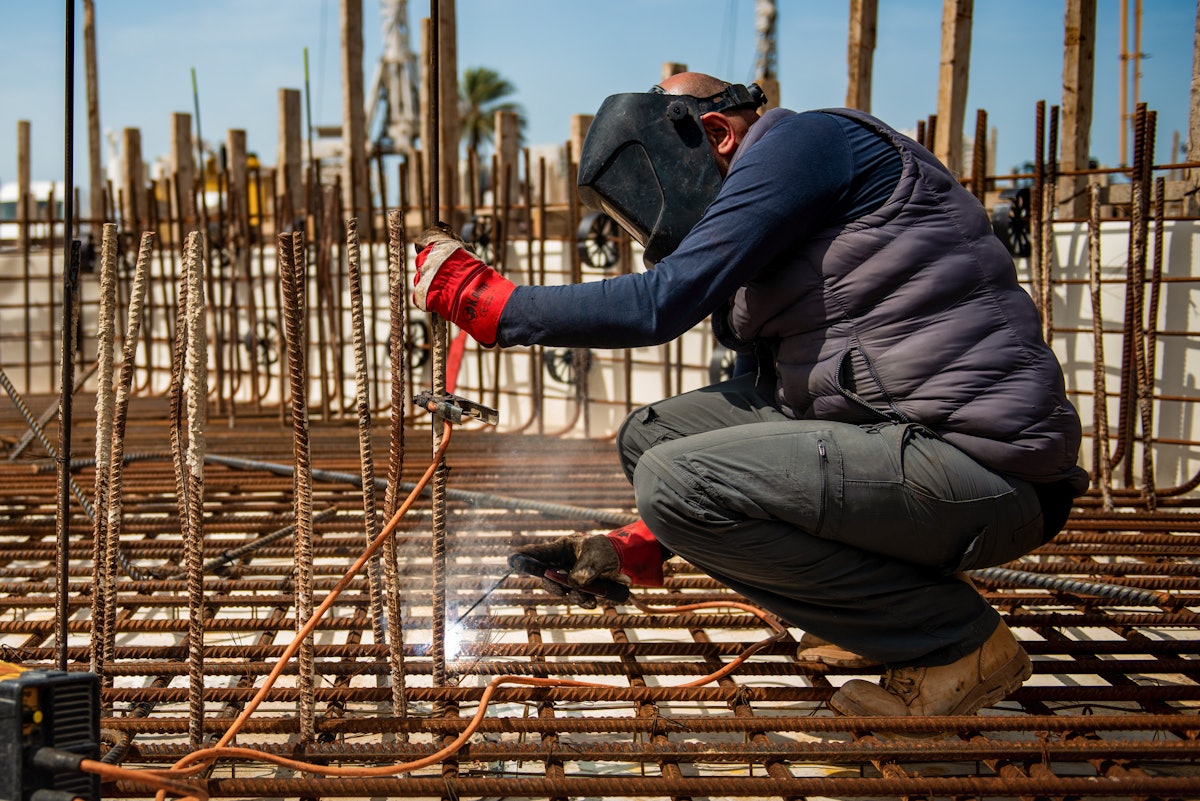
(174, 781)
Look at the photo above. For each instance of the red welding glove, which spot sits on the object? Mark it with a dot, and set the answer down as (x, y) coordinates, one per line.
(453, 283)
(630, 555)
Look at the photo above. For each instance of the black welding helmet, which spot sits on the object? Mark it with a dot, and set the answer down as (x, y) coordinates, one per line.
(646, 163)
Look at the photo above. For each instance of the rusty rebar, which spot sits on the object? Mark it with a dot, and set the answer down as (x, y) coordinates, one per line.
(739, 786)
(1101, 467)
(363, 405)
(1049, 187)
(294, 282)
(1123, 568)
(398, 363)
(105, 335)
(116, 507)
(195, 395)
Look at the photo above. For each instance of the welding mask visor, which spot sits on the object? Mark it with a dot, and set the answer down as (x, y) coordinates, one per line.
(646, 162)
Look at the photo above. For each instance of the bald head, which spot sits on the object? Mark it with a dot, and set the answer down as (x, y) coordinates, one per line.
(696, 84)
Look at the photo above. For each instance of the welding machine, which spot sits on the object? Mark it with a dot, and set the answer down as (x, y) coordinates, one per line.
(54, 713)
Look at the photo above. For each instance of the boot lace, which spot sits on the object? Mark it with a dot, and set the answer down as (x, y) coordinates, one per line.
(903, 682)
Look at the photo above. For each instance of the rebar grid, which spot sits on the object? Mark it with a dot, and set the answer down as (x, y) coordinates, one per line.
(1110, 710)
(198, 584)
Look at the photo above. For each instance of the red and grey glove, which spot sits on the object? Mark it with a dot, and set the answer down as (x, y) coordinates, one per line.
(630, 555)
(453, 283)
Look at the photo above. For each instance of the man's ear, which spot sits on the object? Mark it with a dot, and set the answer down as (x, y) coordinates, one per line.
(720, 132)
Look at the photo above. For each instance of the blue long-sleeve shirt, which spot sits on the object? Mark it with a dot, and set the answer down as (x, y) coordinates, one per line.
(808, 171)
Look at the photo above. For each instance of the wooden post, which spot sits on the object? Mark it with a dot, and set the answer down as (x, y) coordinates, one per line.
(23, 200)
(239, 194)
(554, 192)
(580, 123)
(1079, 67)
(670, 68)
(770, 87)
(508, 155)
(993, 140)
(288, 182)
(448, 109)
(864, 17)
(355, 180)
(979, 181)
(136, 201)
(1192, 179)
(183, 166)
(95, 169)
(952, 81)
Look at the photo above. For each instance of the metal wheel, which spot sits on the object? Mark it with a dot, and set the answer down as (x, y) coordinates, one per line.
(597, 241)
(562, 367)
(1010, 220)
(482, 232)
(265, 340)
(416, 343)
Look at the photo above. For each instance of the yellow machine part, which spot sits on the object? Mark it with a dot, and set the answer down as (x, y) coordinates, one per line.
(10, 671)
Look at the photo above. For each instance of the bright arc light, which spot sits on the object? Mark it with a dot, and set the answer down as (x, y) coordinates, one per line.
(454, 640)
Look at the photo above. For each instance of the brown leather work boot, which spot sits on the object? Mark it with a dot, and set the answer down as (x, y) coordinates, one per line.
(988, 674)
(813, 650)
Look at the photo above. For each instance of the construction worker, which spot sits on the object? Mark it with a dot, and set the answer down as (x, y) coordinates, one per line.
(901, 421)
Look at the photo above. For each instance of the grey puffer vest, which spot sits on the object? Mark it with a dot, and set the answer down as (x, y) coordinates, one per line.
(913, 313)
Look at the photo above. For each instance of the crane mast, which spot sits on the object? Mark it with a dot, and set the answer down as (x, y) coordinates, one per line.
(764, 25)
(392, 100)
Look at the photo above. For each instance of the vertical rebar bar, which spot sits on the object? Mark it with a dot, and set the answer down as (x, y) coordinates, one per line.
(438, 340)
(1048, 202)
(24, 233)
(397, 285)
(293, 276)
(1145, 373)
(195, 391)
(326, 222)
(363, 400)
(1156, 276)
(1035, 206)
(66, 484)
(1100, 459)
(113, 556)
(1133, 355)
(69, 318)
(101, 581)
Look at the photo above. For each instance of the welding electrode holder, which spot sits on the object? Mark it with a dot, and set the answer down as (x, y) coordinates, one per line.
(454, 408)
(608, 589)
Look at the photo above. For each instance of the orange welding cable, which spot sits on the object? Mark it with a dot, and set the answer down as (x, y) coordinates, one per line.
(308, 628)
(199, 760)
(449, 749)
(148, 778)
(732, 665)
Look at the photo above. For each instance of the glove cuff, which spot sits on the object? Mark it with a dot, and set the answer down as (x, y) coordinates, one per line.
(468, 293)
(639, 554)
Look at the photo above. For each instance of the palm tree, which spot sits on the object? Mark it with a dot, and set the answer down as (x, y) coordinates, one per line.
(481, 95)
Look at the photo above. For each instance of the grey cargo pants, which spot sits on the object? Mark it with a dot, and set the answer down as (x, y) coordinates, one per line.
(853, 533)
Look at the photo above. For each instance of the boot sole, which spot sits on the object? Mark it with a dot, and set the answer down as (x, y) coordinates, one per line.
(834, 657)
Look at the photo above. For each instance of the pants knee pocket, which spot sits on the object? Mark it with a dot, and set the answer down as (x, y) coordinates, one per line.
(991, 548)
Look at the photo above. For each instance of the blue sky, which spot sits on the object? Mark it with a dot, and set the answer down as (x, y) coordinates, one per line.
(564, 57)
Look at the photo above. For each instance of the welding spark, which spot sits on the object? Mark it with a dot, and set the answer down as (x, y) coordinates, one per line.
(454, 641)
